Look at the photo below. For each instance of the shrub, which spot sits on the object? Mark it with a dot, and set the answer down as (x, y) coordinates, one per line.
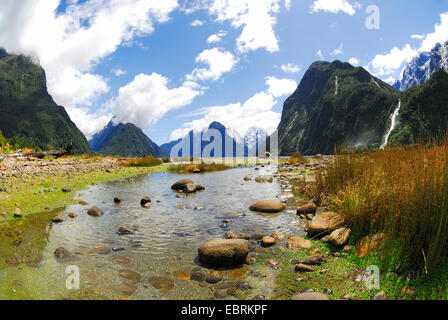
(297, 158)
(203, 167)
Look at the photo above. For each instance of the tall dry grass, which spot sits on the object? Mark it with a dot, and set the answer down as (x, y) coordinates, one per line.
(401, 192)
(148, 161)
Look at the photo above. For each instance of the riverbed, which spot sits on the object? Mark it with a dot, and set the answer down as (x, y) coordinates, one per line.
(159, 260)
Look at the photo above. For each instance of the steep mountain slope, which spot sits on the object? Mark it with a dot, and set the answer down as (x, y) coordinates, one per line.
(205, 139)
(424, 111)
(420, 69)
(335, 105)
(125, 140)
(29, 112)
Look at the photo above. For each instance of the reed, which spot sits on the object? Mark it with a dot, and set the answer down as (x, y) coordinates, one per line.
(400, 191)
(297, 158)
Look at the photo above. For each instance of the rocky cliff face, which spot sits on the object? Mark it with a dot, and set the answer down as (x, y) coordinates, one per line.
(420, 69)
(335, 105)
(29, 112)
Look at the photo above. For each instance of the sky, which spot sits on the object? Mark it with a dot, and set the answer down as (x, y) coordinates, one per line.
(171, 66)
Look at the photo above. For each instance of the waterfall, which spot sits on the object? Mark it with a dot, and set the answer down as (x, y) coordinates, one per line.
(392, 125)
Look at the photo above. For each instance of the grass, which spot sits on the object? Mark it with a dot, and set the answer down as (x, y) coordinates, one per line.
(401, 192)
(34, 194)
(203, 167)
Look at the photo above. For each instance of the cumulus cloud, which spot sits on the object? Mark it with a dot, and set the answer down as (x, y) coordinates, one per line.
(197, 23)
(146, 99)
(335, 6)
(354, 62)
(440, 34)
(280, 87)
(119, 72)
(214, 38)
(291, 68)
(68, 45)
(244, 119)
(218, 62)
(257, 19)
(385, 64)
(390, 65)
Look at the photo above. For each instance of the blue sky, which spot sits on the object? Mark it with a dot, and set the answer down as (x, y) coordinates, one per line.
(145, 62)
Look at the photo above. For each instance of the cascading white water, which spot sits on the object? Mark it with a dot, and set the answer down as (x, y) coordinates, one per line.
(392, 125)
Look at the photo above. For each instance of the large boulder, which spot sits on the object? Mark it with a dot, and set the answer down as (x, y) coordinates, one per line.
(179, 185)
(368, 244)
(268, 206)
(297, 243)
(339, 236)
(224, 252)
(324, 223)
(310, 296)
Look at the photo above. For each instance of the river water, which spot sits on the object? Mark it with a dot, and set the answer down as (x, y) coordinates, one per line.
(168, 234)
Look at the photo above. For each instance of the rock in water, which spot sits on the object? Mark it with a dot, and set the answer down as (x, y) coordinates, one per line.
(95, 212)
(179, 185)
(118, 200)
(324, 223)
(125, 230)
(224, 252)
(200, 187)
(339, 236)
(310, 296)
(145, 201)
(297, 243)
(163, 284)
(189, 188)
(57, 219)
(268, 206)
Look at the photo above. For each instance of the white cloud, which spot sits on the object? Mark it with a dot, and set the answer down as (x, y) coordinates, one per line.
(338, 51)
(197, 23)
(440, 34)
(418, 36)
(89, 123)
(288, 4)
(291, 68)
(68, 45)
(148, 98)
(214, 38)
(385, 65)
(354, 62)
(244, 119)
(390, 65)
(280, 87)
(257, 19)
(320, 54)
(119, 72)
(334, 6)
(218, 62)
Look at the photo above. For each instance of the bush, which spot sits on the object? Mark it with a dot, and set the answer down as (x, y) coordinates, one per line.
(148, 161)
(297, 158)
(203, 167)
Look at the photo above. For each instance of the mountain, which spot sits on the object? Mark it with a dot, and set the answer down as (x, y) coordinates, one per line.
(424, 111)
(420, 69)
(233, 149)
(27, 110)
(125, 140)
(335, 105)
